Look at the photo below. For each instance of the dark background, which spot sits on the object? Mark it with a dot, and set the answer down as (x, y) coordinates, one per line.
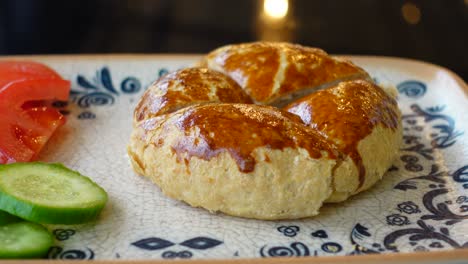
(434, 31)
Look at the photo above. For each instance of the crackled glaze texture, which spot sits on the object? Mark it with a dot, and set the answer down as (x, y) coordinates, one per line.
(420, 205)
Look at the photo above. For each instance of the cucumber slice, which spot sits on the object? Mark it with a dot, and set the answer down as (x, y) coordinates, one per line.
(6, 218)
(49, 193)
(24, 240)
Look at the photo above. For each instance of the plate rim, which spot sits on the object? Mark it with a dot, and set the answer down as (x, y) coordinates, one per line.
(445, 256)
(184, 56)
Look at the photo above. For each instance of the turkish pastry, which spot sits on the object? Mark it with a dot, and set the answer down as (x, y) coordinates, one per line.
(265, 130)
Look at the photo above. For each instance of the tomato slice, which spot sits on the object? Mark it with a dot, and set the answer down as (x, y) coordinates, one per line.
(24, 70)
(12, 148)
(16, 93)
(4, 158)
(27, 69)
(49, 120)
(25, 125)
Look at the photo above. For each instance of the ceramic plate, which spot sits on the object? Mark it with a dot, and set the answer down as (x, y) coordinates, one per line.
(420, 205)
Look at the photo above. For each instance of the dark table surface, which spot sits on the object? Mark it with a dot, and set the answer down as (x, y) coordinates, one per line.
(434, 31)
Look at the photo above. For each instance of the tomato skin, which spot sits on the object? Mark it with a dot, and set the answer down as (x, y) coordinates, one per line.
(25, 124)
(16, 93)
(26, 69)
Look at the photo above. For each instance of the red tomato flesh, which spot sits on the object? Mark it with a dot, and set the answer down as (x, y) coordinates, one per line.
(25, 124)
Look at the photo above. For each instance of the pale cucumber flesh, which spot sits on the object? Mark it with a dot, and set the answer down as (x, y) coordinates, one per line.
(49, 193)
(24, 240)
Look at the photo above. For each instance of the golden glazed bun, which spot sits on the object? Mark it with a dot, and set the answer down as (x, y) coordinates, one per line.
(363, 121)
(274, 73)
(242, 159)
(187, 87)
(201, 140)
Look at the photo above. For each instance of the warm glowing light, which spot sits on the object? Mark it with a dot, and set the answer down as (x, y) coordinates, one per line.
(411, 13)
(276, 9)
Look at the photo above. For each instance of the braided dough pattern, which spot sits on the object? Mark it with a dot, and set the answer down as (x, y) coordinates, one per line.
(265, 130)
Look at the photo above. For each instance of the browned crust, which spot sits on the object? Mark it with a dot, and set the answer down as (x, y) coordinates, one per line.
(186, 87)
(239, 129)
(347, 113)
(259, 66)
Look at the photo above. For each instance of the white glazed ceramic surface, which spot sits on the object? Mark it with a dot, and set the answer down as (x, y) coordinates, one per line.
(420, 205)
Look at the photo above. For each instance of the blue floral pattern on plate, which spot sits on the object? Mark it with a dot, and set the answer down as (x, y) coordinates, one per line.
(428, 186)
